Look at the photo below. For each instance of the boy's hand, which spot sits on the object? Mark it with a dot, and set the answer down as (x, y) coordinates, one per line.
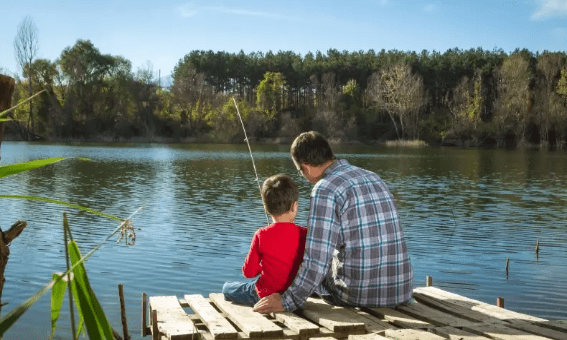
(269, 304)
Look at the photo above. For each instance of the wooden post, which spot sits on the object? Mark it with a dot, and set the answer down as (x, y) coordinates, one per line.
(5, 239)
(155, 331)
(500, 302)
(428, 281)
(144, 316)
(7, 86)
(123, 312)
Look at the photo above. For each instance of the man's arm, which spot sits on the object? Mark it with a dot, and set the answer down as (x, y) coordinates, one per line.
(322, 236)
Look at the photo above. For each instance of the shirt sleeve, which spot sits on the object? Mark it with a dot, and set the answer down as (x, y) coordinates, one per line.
(322, 236)
(252, 266)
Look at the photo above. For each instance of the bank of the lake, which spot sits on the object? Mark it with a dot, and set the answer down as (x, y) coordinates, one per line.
(464, 211)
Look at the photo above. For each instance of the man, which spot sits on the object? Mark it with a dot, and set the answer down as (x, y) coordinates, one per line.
(355, 253)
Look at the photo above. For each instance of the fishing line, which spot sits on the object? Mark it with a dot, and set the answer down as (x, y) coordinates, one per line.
(249, 149)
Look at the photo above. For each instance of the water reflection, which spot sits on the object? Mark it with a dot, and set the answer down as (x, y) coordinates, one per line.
(464, 212)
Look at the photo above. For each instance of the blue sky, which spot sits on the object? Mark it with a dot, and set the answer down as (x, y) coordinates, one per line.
(163, 32)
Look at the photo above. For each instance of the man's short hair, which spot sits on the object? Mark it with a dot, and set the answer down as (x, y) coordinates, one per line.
(311, 148)
(278, 193)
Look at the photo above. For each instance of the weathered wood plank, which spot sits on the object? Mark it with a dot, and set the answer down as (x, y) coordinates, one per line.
(559, 325)
(372, 324)
(453, 333)
(500, 331)
(475, 305)
(335, 318)
(296, 323)
(411, 334)
(219, 327)
(371, 336)
(398, 318)
(252, 323)
(451, 308)
(539, 330)
(172, 321)
(432, 315)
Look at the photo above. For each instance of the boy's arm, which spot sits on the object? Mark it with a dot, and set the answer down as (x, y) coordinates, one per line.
(252, 267)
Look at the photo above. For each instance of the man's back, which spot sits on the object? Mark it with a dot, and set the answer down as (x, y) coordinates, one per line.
(355, 245)
(371, 266)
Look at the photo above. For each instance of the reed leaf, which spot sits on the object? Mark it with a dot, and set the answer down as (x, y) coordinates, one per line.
(96, 323)
(12, 169)
(9, 319)
(70, 205)
(57, 295)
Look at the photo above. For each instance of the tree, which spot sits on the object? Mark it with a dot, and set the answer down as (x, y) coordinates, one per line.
(26, 45)
(270, 93)
(465, 102)
(547, 105)
(514, 96)
(401, 94)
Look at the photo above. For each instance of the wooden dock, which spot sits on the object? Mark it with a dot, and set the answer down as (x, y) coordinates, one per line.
(434, 315)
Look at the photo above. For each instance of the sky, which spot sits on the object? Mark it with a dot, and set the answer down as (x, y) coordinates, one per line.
(158, 34)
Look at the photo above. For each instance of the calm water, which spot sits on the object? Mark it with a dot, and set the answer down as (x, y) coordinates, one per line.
(464, 212)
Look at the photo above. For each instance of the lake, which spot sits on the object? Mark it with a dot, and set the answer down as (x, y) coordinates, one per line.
(464, 212)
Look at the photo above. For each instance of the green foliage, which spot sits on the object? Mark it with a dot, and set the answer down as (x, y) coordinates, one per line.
(89, 308)
(562, 84)
(7, 170)
(270, 92)
(57, 295)
(92, 95)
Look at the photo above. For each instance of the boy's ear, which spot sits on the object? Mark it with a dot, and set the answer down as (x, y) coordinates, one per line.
(294, 207)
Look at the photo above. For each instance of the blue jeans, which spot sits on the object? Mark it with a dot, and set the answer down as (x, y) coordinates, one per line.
(241, 292)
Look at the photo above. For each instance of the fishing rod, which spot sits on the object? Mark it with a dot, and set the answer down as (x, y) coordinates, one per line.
(249, 149)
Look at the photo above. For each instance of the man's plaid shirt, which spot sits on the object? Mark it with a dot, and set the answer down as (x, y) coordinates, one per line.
(355, 241)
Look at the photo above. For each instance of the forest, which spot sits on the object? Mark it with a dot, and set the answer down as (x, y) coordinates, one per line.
(459, 97)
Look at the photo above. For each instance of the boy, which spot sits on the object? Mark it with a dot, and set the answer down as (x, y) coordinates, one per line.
(276, 251)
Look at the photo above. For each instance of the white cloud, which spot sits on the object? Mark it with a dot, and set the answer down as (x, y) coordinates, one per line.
(189, 10)
(550, 9)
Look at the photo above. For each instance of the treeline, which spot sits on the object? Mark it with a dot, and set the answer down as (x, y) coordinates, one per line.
(463, 97)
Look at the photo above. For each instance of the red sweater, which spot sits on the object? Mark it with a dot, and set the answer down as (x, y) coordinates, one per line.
(276, 253)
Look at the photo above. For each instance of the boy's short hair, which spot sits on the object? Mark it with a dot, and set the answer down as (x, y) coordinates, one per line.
(278, 194)
(311, 148)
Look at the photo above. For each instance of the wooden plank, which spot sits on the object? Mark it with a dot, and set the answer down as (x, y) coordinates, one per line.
(558, 325)
(433, 316)
(411, 334)
(500, 331)
(451, 308)
(172, 321)
(372, 324)
(539, 330)
(335, 318)
(252, 323)
(296, 323)
(398, 318)
(475, 305)
(371, 336)
(453, 333)
(219, 327)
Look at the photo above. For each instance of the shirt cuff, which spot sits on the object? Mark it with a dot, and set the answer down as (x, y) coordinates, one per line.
(287, 302)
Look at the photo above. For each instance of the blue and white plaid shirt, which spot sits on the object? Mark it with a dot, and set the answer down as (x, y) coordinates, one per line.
(354, 241)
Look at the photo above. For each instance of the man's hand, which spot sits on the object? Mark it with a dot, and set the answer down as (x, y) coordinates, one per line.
(269, 304)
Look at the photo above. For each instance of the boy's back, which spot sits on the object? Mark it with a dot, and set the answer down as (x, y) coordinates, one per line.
(276, 253)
